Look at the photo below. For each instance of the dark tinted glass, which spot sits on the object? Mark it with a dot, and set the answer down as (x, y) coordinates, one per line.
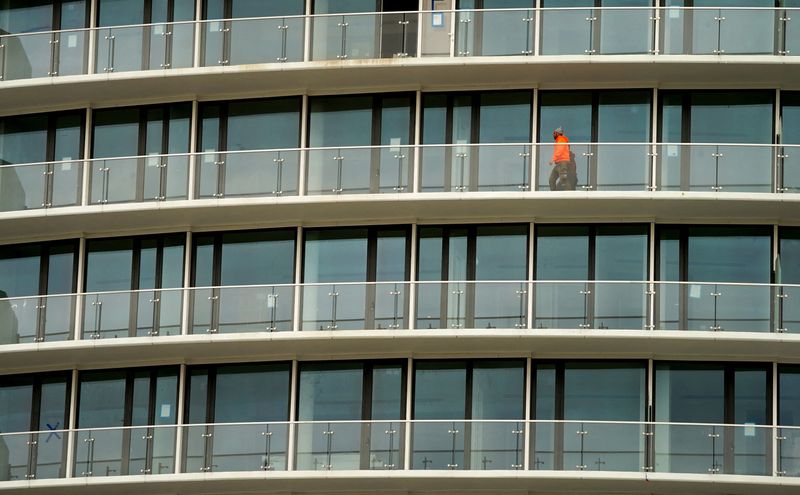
(258, 257)
(604, 391)
(505, 117)
(16, 403)
(562, 253)
(498, 390)
(688, 393)
(335, 255)
(101, 399)
(390, 262)
(19, 270)
(621, 253)
(623, 116)
(116, 133)
(735, 254)
(109, 264)
(789, 396)
(789, 267)
(252, 393)
(570, 110)
(337, 121)
(387, 392)
(440, 390)
(256, 125)
(718, 117)
(23, 139)
(120, 12)
(501, 253)
(330, 391)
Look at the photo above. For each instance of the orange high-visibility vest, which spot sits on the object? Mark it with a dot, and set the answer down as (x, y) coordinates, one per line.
(561, 149)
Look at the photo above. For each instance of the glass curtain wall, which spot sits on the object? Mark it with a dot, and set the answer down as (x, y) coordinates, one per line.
(129, 145)
(37, 270)
(478, 141)
(144, 34)
(366, 141)
(472, 277)
(32, 50)
(35, 139)
(720, 27)
(702, 395)
(355, 278)
(706, 260)
(611, 130)
(350, 416)
(148, 266)
(120, 414)
(586, 276)
(244, 281)
(256, 395)
(33, 403)
(581, 393)
(252, 31)
(789, 133)
(706, 147)
(469, 415)
(232, 138)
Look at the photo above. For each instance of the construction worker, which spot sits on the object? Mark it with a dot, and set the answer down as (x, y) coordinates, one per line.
(564, 175)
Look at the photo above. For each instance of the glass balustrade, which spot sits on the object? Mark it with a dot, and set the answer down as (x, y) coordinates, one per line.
(788, 451)
(472, 305)
(385, 169)
(355, 306)
(364, 35)
(252, 41)
(144, 47)
(40, 185)
(597, 305)
(588, 446)
(139, 179)
(267, 308)
(715, 167)
(728, 31)
(36, 319)
(468, 445)
(704, 449)
(715, 307)
(495, 32)
(475, 167)
(354, 445)
(596, 166)
(789, 167)
(125, 451)
(606, 31)
(248, 173)
(132, 314)
(236, 447)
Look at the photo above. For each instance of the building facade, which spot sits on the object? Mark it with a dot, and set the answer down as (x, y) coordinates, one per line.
(344, 246)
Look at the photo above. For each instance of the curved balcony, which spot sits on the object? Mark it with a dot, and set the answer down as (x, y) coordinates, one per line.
(402, 49)
(721, 453)
(400, 170)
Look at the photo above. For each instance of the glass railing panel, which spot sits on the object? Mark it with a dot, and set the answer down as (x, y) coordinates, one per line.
(332, 446)
(752, 450)
(787, 298)
(65, 183)
(213, 35)
(50, 453)
(562, 304)
(166, 177)
(495, 32)
(26, 56)
(336, 306)
(107, 315)
(161, 459)
(500, 304)
(438, 445)
(265, 40)
(790, 24)
(789, 160)
(624, 31)
(731, 308)
(620, 167)
(543, 444)
(23, 187)
(788, 451)
(435, 33)
(430, 297)
(567, 31)
(395, 166)
(14, 456)
(19, 320)
(502, 168)
(390, 305)
(120, 49)
(398, 34)
(496, 445)
(204, 307)
(689, 448)
(179, 45)
(114, 180)
(342, 171)
(604, 446)
(250, 173)
(620, 306)
(245, 447)
(386, 439)
(57, 317)
(674, 21)
(158, 312)
(704, 25)
(341, 37)
(72, 52)
(560, 176)
(726, 168)
(99, 452)
(194, 458)
(255, 309)
(748, 31)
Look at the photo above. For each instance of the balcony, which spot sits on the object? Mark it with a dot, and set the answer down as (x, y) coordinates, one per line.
(448, 168)
(492, 32)
(424, 306)
(403, 445)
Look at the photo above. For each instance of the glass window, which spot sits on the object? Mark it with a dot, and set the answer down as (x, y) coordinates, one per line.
(19, 270)
(338, 255)
(16, 404)
(498, 390)
(330, 392)
(102, 399)
(604, 391)
(440, 390)
(789, 396)
(234, 9)
(725, 254)
(257, 258)
(251, 393)
(562, 253)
